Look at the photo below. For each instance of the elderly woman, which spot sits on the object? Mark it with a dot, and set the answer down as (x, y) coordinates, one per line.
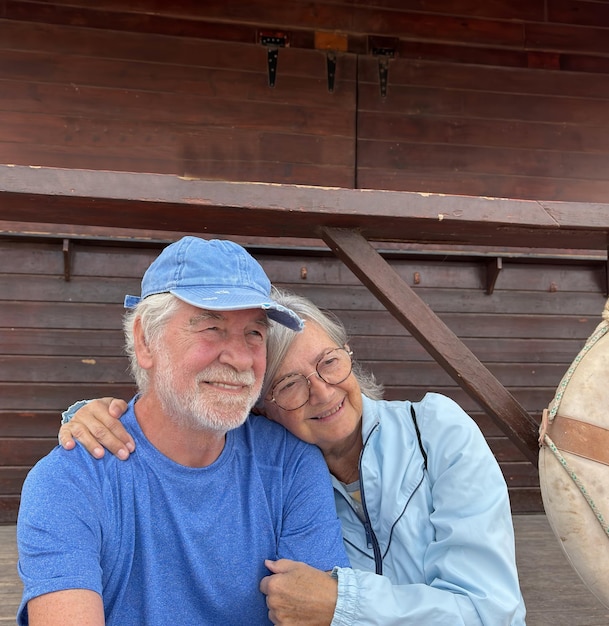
(424, 507)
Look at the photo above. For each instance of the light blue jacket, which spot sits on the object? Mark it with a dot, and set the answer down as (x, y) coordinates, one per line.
(440, 539)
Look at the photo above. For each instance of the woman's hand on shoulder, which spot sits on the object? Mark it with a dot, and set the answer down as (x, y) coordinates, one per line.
(97, 423)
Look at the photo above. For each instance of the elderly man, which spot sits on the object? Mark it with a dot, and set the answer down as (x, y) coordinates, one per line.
(179, 535)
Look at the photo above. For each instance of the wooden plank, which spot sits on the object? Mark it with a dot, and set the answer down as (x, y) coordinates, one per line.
(481, 325)
(498, 161)
(528, 500)
(520, 474)
(413, 130)
(456, 53)
(77, 369)
(450, 272)
(590, 39)
(252, 171)
(502, 350)
(28, 452)
(453, 79)
(479, 184)
(470, 104)
(11, 479)
(50, 341)
(554, 299)
(57, 396)
(419, 373)
(345, 17)
(580, 12)
(533, 399)
(455, 300)
(29, 423)
(304, 269)
(499, 9)
(312, 248)
(584, 63)
(98, 290)
(149, 141)
(62, 315)
(9, 507)
(92, 317)
(454, 357)
(505, 450)
(271, 115)
(155, 201)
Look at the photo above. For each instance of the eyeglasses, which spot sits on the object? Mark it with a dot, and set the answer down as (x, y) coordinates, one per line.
(293, 391)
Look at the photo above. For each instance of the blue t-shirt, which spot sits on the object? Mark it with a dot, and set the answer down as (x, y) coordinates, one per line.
(164, 543)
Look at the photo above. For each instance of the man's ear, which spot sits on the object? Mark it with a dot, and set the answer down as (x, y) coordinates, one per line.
(142, 350)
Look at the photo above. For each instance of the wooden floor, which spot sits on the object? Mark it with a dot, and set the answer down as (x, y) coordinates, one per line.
(554, 594)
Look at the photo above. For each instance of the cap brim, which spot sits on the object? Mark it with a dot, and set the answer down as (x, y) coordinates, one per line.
(238, 299)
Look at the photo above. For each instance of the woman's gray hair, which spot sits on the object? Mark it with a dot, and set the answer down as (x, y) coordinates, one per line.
(154, 311)
(280, 338)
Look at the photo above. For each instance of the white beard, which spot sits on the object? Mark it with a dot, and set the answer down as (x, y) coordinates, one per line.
(202, 406)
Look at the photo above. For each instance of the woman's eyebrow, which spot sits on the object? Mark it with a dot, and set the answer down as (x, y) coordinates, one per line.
(312, 363)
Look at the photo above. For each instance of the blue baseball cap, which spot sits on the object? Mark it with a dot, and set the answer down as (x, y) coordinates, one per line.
(216, 275)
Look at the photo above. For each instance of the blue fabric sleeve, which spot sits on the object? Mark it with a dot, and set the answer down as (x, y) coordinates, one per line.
(68, 414)
(59, 546)
(311, 529)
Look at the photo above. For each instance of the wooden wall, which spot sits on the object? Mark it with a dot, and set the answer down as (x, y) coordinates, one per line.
(501, 98)
(508, 98)
(61, 340)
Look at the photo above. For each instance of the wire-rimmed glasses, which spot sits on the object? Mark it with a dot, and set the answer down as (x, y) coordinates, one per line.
(292, 391)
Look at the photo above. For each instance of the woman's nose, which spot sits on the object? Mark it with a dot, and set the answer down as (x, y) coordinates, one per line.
(319, 390)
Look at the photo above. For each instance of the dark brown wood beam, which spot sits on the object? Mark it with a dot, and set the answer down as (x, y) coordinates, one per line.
(161, 202)
(445, 347)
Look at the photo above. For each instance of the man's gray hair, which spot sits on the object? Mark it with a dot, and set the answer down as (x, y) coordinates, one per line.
(154, 311)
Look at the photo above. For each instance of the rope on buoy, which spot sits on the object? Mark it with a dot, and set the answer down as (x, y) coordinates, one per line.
(600, 331)
(561, 459)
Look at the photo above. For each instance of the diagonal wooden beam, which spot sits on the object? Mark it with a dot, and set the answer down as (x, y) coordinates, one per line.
(446, 348)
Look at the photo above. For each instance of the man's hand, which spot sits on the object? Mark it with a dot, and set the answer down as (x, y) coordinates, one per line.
(299, 594)
(98, 423)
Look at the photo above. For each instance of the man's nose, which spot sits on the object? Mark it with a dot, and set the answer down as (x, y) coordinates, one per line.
(237, 353)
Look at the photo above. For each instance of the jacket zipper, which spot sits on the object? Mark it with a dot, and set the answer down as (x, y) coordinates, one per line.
(371, 539)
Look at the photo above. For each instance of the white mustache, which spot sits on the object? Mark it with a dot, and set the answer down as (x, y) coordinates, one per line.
(227, 375)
